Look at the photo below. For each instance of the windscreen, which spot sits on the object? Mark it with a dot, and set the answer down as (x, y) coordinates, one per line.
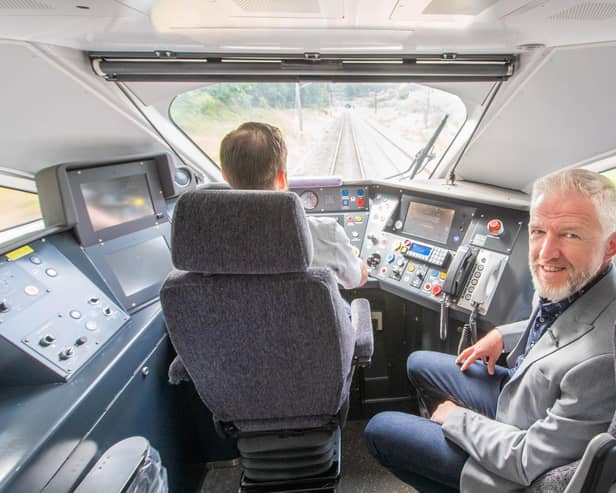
(428, 222)
(117, 201)
(355, 130)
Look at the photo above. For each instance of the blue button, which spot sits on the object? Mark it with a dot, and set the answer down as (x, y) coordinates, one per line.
(391, 257)
(345, 202)
(434, 272)
(345, 192)
(360, 191)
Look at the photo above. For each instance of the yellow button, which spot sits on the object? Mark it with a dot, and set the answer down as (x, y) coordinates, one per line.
(397, 245)
(358, 219)
(356, 251)
(404, 249)
(411, 268)
(443, 275)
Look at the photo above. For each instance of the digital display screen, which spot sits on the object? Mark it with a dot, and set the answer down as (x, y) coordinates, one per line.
(428, 221)
(117, 201)
(141, 266)
(421, 249)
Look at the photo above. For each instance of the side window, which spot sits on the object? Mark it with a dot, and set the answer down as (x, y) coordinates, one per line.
(611, 174)
(18, 208)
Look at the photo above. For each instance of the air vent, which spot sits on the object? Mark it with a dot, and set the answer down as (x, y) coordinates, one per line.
(592, 11)
(24, 5)
(457, 7)
(279, 6)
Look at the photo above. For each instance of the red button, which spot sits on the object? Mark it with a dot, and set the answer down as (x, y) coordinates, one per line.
(360, 202)
(427, 286)
(350, 219)
(495, 227)
(436, 289)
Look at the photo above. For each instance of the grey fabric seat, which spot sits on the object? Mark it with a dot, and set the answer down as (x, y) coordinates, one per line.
(594, 472)
(263, 336)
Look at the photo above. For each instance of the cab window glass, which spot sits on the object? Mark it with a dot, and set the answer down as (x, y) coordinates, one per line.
(354, 130)
(611, 174)
(19, 207)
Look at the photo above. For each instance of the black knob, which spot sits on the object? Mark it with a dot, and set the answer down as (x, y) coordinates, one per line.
(374, 260)
(47, 340)
(4, 306)
(81, 341)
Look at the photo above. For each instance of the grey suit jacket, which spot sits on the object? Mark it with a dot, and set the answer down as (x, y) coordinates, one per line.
(562, 395)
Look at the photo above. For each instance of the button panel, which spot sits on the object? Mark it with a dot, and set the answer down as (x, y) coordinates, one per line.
(57, 316)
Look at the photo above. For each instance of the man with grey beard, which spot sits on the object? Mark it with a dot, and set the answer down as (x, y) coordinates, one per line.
(492, 428)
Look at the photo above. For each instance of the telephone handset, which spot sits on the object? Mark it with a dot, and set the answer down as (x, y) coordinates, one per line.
(459, 270)
(457, 274)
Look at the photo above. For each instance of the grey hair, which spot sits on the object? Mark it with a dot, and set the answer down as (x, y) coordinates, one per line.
(596, 187)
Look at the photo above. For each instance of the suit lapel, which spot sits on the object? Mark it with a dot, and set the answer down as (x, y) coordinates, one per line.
(575, 322)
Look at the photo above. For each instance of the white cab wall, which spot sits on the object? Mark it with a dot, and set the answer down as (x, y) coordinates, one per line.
(54, 109)
(560, 113)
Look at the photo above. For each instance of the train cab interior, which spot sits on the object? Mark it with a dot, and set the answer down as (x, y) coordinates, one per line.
(419, 126)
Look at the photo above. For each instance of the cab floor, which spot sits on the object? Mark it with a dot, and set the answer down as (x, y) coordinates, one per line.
(360, 472)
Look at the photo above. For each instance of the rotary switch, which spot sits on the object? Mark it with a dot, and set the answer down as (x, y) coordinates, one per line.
(373, 260)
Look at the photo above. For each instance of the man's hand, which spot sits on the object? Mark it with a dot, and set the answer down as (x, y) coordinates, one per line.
(488, 349)
(442, 412)
(364, 272)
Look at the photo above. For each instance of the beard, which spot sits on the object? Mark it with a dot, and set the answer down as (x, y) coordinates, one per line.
(576, 280)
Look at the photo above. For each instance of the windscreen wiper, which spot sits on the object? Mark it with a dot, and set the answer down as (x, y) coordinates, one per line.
(423, 157)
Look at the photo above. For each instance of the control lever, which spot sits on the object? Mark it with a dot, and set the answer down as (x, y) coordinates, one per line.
(445, 300)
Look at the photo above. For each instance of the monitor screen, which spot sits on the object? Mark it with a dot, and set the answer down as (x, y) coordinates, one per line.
(117, 201)
(428, 221)
(142, 265)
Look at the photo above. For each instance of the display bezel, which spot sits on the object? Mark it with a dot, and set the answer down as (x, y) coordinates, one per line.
(459, 226)
(442, 239)
(84, 228)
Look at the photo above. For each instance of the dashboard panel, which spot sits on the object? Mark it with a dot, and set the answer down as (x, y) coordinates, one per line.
(413, 241)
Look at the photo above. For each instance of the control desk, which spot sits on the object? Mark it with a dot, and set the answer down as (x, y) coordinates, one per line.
(423, 246)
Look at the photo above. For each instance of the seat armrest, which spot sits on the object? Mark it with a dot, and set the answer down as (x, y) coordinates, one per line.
(177, 372)
(594, 446)
(361, 320)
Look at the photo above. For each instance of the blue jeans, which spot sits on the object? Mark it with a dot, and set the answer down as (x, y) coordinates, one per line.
(415, 448)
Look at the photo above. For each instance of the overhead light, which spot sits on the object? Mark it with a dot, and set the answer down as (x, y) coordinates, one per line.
(530, 46)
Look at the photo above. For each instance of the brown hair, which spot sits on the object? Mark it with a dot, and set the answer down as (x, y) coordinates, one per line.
(252, 155)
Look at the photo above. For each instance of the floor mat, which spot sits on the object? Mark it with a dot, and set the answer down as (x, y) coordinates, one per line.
(360, 472)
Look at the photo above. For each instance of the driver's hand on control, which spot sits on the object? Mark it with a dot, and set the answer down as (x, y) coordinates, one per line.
(488, 349)
(364, 272)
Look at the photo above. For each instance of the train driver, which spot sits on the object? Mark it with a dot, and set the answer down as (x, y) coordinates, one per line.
(254, 157)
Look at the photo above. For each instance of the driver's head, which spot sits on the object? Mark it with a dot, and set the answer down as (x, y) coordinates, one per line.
(254, 157)
(572, 231)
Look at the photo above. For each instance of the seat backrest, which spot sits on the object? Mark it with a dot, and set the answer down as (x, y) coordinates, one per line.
(264, 337)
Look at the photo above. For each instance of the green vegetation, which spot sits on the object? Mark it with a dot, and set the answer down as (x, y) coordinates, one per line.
(406, 112)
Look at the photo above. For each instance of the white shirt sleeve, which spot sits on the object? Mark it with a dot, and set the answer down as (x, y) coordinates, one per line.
(333, 249)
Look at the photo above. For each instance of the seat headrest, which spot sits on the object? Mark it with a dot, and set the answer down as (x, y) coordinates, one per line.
(240, 232)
